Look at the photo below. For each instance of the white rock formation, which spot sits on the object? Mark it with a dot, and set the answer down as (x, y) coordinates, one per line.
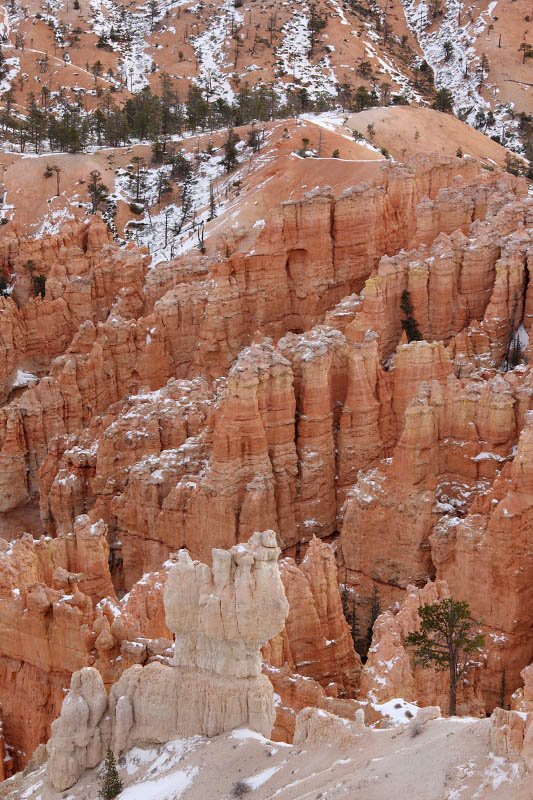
(81, 734)
(221, 617)
(314, 726)
(511, 736)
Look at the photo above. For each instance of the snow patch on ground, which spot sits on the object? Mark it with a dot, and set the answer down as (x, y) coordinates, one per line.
(209, 49)
(461, 72)
(293, 55)
(169, 787)
(132, 30)
(499, 771)
(258, 780)
(396, 709)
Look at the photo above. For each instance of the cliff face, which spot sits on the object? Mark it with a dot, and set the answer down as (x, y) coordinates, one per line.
(190, 405)
(112, 335)
(280, 440)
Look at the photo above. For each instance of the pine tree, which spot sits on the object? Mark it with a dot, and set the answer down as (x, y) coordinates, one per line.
(444, 101)
(254, 140)
(97, 189)
(354, 628)
(315, 25)
(137, 177)
(163, 185)
(409, 323)
(230, 151)
(447, 640)
(212, 203)
(344, 597)
(375, 611)
(186, 204)
(200, 233)
(502, 690)
(110, 783)
(54, 170)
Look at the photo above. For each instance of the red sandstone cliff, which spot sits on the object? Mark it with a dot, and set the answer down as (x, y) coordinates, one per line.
(192, 404)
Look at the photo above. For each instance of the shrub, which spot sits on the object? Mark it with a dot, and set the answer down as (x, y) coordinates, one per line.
(409, 323)
(241, 788)
(39, 285)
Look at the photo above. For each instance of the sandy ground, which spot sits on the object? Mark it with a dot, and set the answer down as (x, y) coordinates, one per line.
(448, 760)
(405, 131)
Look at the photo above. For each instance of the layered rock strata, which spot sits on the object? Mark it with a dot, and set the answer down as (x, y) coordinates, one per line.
(511, 737)
(131, 339)
(294, 423)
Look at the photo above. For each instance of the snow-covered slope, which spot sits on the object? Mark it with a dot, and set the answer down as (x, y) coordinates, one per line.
(448, 759)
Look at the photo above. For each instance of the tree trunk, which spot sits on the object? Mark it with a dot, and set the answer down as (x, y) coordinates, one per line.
(453, 692)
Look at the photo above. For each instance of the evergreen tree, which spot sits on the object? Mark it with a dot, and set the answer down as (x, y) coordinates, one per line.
(153, 12)
(502, 690)
(361, 98)
(180, 168)
(97, 189)
(200, 233)
(186, 204)
(254, 140)
(36, 123)
(354, 628)
(409, 323)
(116, 128)
(39, 285)
(163, 185)
(316, 24)
(110, 783)
(514, 350)
(375, 611)
(230, 151)
(197, 108)
(54, 170)
(171, 116)
(446, 641)
(212, 203)
(448, 50)
(137, 177)
(444, 101)
(344, 597)
(99, 125)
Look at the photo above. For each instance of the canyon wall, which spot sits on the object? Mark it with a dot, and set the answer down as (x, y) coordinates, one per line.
(191, 404)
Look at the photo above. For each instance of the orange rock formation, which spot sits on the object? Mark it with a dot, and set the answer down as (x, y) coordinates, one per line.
(194, 403)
